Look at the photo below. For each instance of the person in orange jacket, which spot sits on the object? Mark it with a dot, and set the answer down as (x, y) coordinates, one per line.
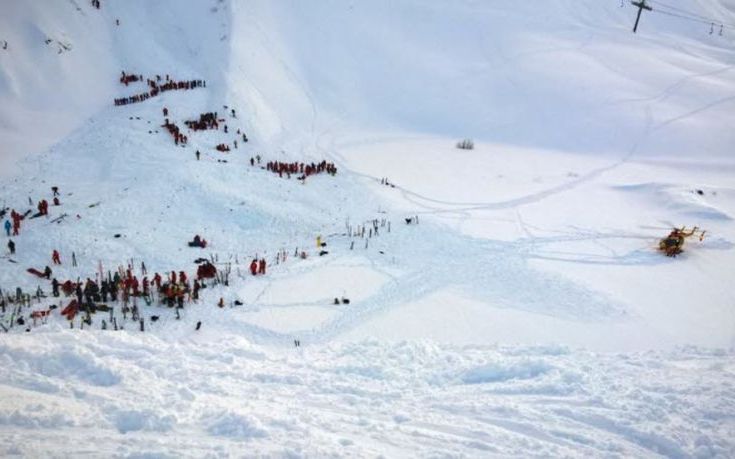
(254, 267)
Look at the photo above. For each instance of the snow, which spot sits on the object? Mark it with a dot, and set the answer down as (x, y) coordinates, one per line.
(367, 398)
(528, 312)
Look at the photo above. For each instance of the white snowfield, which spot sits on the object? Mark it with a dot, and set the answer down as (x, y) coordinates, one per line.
(524, 312)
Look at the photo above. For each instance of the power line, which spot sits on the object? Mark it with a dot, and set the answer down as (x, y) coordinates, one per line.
(688, 18)
(680, 10)
(686, 14)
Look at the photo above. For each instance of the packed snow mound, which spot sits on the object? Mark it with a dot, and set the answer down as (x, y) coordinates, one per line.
(364, 399)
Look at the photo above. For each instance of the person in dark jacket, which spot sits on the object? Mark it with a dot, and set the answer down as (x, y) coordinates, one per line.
(55, 287)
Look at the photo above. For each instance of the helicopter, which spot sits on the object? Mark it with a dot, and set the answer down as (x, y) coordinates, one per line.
(673, 244)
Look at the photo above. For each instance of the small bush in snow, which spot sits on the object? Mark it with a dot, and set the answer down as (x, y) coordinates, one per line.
(466, 144)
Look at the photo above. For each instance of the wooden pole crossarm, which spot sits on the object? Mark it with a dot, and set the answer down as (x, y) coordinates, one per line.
(641, 6)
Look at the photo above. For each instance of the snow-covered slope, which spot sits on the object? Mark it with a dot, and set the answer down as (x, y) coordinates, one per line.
(519, 317)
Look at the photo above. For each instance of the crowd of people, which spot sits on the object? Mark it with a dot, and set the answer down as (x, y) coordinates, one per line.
(13, 224)
(206, 121)
(281, 168)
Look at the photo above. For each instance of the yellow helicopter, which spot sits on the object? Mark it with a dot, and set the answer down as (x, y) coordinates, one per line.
(673, 244)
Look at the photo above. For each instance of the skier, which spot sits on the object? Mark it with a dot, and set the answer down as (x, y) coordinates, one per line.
(254, 267)
(261, 267)
(197, 153)
(182, 277)
(47, 273)
(8, 225)
(55, 190)
(157, 281)
(11, 247)
(55, 257)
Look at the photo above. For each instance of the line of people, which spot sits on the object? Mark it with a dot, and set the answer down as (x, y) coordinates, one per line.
(155, 88)
(175, 132)
(281, 168)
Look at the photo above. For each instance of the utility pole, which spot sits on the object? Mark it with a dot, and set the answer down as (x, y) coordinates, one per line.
(641, 6)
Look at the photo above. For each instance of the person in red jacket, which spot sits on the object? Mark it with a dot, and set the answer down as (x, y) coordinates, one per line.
(135, 285)
(157, 280)
(254, 267)
(56, 258)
